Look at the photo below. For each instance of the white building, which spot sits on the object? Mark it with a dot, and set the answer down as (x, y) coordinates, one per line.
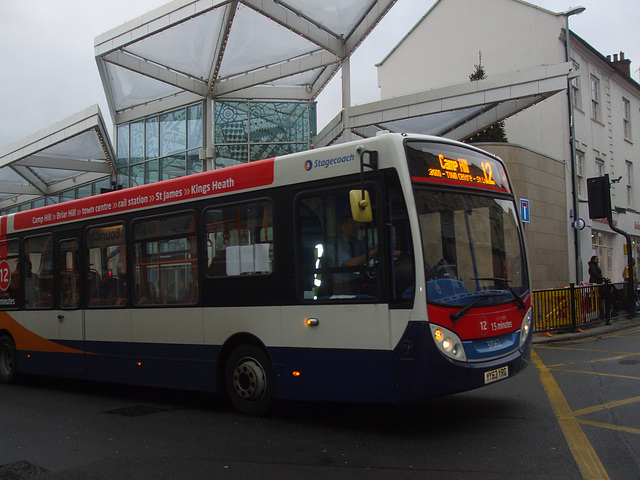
(514, 36)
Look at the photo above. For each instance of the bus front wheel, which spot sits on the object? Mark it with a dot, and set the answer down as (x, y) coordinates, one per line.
(7, 359)
(249, 380)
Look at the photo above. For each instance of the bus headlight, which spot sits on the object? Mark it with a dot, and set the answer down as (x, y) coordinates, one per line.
(448, 342)
(526, 327)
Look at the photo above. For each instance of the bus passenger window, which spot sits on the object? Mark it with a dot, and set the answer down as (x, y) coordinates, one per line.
(239, 239)
(106, 284)
(166, 261)
(10, 276)
(37, 267)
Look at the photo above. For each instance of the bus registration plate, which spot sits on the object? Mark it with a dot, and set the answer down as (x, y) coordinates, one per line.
(495, 375)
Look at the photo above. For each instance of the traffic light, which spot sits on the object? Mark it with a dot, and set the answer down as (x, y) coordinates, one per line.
(599, 192)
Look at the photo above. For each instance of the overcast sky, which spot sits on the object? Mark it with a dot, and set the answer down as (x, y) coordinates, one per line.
(48, 70)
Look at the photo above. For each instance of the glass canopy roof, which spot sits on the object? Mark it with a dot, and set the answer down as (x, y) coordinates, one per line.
(70, 153)
(252, 49)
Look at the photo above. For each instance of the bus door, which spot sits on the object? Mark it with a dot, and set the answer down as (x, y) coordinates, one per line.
(56, 339)
(69, 314)
(344, 270)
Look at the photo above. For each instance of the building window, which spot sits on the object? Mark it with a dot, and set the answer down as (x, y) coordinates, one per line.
(595, 99)
(599, 167)
(160, 147)
(580, 170)
(601, 245)
(629, 167)
(626, 118)
(575, 88)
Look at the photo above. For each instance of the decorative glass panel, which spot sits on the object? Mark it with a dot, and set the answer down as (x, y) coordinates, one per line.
(229, 155)
(151, 173)
(194, 164)
(269, 150)
(231, 122)
(137, 142)
(136, 175)
(123, 177)
(279, 122)
(173, 132)
(152, 138)
(172, 167)
(123, 144)
(194, 126)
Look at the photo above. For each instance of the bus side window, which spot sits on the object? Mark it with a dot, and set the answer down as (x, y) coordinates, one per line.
(337, 255)
(10, 276)
(166, 260)
(106, 280)
(37, 267)
(239, 239)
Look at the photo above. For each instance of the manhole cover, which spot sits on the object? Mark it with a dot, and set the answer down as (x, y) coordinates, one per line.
(136, 411)
(20, 471)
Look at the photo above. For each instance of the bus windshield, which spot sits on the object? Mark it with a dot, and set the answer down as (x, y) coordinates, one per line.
(472, 248)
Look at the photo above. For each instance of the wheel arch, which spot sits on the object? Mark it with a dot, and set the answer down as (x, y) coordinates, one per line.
(229, 345)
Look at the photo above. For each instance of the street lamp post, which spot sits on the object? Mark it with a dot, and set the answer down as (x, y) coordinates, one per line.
(572, 153)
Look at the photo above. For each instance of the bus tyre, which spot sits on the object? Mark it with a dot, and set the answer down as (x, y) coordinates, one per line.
(249, 380)
(7, 359)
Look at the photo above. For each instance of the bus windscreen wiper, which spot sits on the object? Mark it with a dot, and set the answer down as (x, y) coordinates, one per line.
(455, 316)
(505, 282)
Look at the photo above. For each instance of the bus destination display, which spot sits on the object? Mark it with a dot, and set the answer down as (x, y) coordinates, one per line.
(448, 164)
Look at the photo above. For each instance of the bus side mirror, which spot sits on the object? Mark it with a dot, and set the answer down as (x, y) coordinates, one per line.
(361, 210)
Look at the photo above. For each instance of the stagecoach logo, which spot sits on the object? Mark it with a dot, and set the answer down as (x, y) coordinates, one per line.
(437, 287)
(328, 162)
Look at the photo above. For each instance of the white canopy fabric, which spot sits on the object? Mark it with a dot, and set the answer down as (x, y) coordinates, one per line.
(249, 49)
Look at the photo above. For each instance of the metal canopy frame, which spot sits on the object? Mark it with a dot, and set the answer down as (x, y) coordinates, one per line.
(457, 111)
(231, 49)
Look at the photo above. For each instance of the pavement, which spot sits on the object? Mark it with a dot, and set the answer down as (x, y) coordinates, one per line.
(587, 331)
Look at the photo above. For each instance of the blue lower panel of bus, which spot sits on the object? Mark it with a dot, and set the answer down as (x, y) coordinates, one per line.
(334, 375)
(190, 367)
(414, 370)
(422, 371)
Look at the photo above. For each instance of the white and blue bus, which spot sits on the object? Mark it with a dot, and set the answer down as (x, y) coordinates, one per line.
(391, 269)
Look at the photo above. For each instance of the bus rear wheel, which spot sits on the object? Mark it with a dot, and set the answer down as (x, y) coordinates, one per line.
(7, 359)
(249, 380)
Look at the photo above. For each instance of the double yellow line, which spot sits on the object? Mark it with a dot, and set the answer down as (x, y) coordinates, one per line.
(582, 450)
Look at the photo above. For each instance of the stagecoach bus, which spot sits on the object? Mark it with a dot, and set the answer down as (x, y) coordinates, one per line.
(391, 269)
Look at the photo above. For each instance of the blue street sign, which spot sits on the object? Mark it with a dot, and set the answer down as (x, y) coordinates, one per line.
(525, 214)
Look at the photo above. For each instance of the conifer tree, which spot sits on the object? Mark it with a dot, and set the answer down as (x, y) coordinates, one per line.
(496, 132)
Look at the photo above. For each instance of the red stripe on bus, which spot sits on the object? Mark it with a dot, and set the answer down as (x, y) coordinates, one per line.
(191, 187)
